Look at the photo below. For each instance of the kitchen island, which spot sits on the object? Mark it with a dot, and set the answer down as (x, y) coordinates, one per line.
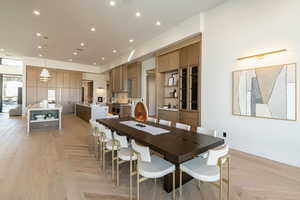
(39, 115)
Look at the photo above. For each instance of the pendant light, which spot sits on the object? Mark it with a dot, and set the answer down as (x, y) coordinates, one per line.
(45, 75)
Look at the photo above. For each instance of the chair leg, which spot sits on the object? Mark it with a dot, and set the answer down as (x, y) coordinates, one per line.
(174, 194)
(130, 180)
(103, 163)
(199, 183)
(138, 186)
(180, 182)
(228, 191)
(221, 185)
(118, 168)
(101, 153)
(112, 165)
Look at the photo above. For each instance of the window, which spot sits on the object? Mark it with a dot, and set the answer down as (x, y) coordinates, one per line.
(51, 95)
(11, 62)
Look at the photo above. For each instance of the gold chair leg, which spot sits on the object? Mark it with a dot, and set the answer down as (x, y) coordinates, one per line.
(138, 186)
(118, 168)
(180, 182)
(130, 180)
(199, 183)
(228, 191)
(221, 185)
(112, 164)
(174, 194)
(103, 163)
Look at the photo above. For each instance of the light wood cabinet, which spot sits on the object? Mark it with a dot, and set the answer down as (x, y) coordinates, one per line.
(168, 62)
(190, 118)
(67, 86)
(134, 74)
(190, 55)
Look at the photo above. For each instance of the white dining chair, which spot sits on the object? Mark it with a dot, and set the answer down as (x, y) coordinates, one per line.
(124, 154)
(151, 119)
(164, 122)
(95, 134)
(151, 167)
(108, 144)
(206, 131)
(183, 126)
(209, 169)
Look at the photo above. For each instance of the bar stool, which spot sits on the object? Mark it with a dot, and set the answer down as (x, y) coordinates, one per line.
(183, 126)
(151, 167)
(107, 145)
(96, 134)
(124, 154)
(208, 169)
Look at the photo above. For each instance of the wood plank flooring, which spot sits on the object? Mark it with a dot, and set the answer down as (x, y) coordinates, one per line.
(56, 165)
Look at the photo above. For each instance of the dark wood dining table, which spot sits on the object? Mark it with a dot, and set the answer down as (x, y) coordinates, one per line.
(177, 146)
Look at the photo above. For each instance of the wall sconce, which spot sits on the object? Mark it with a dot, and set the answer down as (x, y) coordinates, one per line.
(262, 55)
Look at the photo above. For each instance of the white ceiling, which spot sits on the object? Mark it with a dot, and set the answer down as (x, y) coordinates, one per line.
(67, 23)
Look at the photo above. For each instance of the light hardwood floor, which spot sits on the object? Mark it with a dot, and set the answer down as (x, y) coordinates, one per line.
(56, 165)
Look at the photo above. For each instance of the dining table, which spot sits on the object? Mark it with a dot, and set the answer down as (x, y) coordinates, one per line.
(175, 145)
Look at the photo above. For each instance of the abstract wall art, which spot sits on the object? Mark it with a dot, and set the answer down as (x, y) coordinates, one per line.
(267, 92)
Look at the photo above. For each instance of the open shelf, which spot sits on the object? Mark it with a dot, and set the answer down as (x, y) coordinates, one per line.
(43, 120)
(171, 86)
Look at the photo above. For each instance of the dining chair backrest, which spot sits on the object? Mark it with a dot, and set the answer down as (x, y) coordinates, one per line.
(101, 128)
(151, 119)
(164, 122)
(183, 126)
(215, 154)
(122, 140)
(206, 131)
(93, 123)
(143, 151)
(108, 134)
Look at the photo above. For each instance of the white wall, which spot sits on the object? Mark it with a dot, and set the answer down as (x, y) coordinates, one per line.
(240, 28)
(99, 81)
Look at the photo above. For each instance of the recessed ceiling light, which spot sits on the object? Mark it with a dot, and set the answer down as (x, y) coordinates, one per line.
(40, 55)
(94, 63)
(38, 34)
(93, 29)
(39, 47)
(158, 23)
(137, 14)
(112, 3)
(131, 40)
(82, 44)
(75, 53)
(36, 12)
(114, 51)
(2, 50)
(70, 60)
(103, 58)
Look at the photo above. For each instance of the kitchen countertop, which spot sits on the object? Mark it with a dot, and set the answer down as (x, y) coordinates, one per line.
(169, 109)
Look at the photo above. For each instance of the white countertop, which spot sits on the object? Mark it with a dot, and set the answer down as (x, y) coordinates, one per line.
(47, 107)
(169, 109)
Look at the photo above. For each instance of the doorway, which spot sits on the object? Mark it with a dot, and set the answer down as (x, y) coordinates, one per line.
(151, 95)
(11, 92)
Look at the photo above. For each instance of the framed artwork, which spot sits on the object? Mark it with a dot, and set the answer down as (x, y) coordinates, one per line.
(100, 99)
(267, 92)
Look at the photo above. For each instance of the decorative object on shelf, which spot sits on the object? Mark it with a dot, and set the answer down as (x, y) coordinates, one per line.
(171, 81)
(100, 99)
(39, 117)
(141, 112)
(267, 92)
(262, 55)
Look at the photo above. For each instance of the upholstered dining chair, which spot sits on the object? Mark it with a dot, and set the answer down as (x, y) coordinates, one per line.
(183, 126)
(108, 145)
(151, 119)
(151, 167)
(206, 131)
(164, 122)
(95, 135)
(124, 154)
(209, 169)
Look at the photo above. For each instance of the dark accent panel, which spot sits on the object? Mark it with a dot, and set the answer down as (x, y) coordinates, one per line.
(1, 92)
(20, 92)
